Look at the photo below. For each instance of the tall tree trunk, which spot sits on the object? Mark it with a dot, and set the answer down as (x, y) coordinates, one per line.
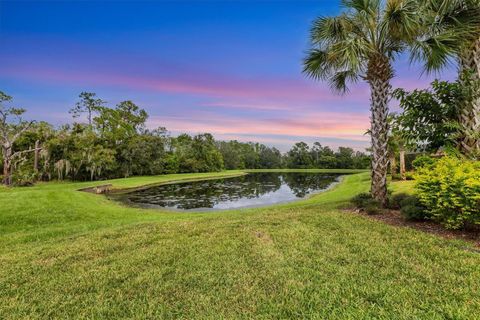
(402, 164)
(7, 165)
(393, 164)
(378, 76)
(36, 156)
(470, 109)
(89, 111)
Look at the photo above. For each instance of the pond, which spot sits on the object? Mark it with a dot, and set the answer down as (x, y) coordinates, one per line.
(251, 190)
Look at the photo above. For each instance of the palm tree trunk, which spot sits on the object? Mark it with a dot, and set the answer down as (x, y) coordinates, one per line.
(380, 93)
(402, 165)
(470, 109)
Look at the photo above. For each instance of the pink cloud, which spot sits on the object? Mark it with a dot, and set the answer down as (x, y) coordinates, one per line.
(201, 84)
(322, 125)
(297, 107)
(248, 106)
(284, 143)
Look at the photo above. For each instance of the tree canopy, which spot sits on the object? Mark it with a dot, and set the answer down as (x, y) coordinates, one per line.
(115, 142)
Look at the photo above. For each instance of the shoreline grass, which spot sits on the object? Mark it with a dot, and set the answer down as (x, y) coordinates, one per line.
(71, 254)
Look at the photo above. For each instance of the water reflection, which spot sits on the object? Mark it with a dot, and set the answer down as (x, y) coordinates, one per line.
(251, 190)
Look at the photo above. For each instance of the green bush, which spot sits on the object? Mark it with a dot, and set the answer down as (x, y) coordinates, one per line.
(411, 208)
(395, 200)
(365, 202)
(371, 207)
(361, 199)
(396, 176)
(422, 162)
(23, 178)
(450, 191)
(409, 175)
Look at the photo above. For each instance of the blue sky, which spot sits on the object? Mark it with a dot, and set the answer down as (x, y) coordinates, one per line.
(232, 68)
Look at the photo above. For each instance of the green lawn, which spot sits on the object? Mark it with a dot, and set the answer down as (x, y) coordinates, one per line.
(69, 254)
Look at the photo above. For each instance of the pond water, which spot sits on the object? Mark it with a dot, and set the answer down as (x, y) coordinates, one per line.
(251, 190)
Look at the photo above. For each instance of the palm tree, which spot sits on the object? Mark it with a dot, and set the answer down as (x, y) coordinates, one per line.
(362, 43)
(455, 24)
(469, 59)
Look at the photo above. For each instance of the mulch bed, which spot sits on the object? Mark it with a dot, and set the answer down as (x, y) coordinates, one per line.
(393, 217)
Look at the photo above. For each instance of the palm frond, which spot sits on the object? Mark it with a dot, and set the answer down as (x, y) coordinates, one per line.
(435, 52)
(350, 53)
(401, 19)
(316, 66)
(369, 7)
(330, 29)
(339, 81)
(454, 17)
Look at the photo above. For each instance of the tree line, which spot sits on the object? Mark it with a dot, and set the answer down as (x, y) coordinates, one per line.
(111, 142)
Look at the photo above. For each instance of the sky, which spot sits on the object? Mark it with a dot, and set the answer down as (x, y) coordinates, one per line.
(231, 68)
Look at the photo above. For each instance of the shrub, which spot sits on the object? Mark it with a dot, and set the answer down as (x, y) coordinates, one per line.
(411, 208)
(422, 162)
(364, 201)
(450, 191)
(396, 176)
(361, 199)
(409, 176)
(372, 207)
(23, 178)
(395, 200)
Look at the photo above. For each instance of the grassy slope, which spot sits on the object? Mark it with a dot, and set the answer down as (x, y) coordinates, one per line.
(68, 254)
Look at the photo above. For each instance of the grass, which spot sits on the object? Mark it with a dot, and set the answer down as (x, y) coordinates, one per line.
(69, 254)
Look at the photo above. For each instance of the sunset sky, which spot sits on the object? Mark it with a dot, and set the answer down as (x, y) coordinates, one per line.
(232, 68)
